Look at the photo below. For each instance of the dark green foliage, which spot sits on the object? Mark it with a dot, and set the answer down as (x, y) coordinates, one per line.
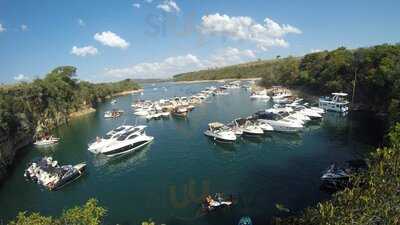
(28, 107)
(89, 214)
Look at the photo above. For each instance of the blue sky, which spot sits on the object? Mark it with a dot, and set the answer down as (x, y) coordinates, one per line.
(156, 39)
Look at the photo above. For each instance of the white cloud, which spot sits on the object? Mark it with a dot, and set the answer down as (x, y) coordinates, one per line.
(84, 51)
(24, 27)
(81, 22)
(169, 6)
(266, 35)
(316, 50)
(111, 39)
(136, 5)
(21, 77)
(2, 29)
(180, 64)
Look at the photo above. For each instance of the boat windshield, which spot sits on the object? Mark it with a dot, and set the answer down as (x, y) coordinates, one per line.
(118, 129)
(125, 135)
(108, 136)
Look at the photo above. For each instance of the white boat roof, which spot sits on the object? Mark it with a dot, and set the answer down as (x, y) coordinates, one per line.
(339, 94)
(216, 124)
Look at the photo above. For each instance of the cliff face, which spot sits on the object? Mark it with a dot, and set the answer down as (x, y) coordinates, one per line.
(8, 148)
(9, 145)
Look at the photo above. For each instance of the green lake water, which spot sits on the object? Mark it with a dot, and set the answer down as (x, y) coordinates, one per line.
(165, 180)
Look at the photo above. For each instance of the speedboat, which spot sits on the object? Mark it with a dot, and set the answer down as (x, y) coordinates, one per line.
(114, 101)
(260, 95)
(233, 126)
(338, 176)
(264, 126)
(47, 141)
(220, 132)
(141, 112)
(113, 114)
(336, 103)
(248, 127)
(49, 174)
(127, 142)
(111, 136)
(180, 112)
(219, 201)
(278, 122)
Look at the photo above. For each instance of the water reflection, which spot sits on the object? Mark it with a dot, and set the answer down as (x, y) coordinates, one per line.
(122, 163)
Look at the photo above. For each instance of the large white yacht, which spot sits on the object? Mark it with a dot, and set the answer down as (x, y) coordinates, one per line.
(111, 136)
(219, 132)
(127, 142)
(278, 122)
(337, 102)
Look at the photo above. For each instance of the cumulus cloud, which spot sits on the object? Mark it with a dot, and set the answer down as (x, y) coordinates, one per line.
(81, 22)
(84, 51)
(111, 39)
(21, 77)
(169, 6)
(180, 64)
(136, 5)
(2, 29)
(266, 35)
(24, 27)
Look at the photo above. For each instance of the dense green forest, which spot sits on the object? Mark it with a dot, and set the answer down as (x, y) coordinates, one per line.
(29, 106)
(246, 70)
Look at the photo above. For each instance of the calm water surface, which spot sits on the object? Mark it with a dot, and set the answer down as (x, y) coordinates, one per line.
(165, 180)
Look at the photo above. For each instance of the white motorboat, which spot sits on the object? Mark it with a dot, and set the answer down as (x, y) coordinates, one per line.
(260, 95)
(280, 96)
(264, 126)
(141, 112)
(278, 122)
(220, 132)
(47, 141)
(111, 136)
(233, 126)
(48, 173)
(336, 103)
(113, 114)
(311, 113)
(249, 127)
(127, 142)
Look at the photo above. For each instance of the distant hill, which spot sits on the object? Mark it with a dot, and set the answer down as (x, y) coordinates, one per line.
(239, 71)
(144, 81)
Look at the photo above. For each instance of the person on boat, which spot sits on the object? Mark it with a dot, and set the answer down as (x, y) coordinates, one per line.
(97, 139)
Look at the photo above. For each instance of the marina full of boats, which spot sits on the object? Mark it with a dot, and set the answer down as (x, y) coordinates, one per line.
(288, 114)
(289, 118)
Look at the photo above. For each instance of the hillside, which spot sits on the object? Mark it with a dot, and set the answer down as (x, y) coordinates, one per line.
(239, 71)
